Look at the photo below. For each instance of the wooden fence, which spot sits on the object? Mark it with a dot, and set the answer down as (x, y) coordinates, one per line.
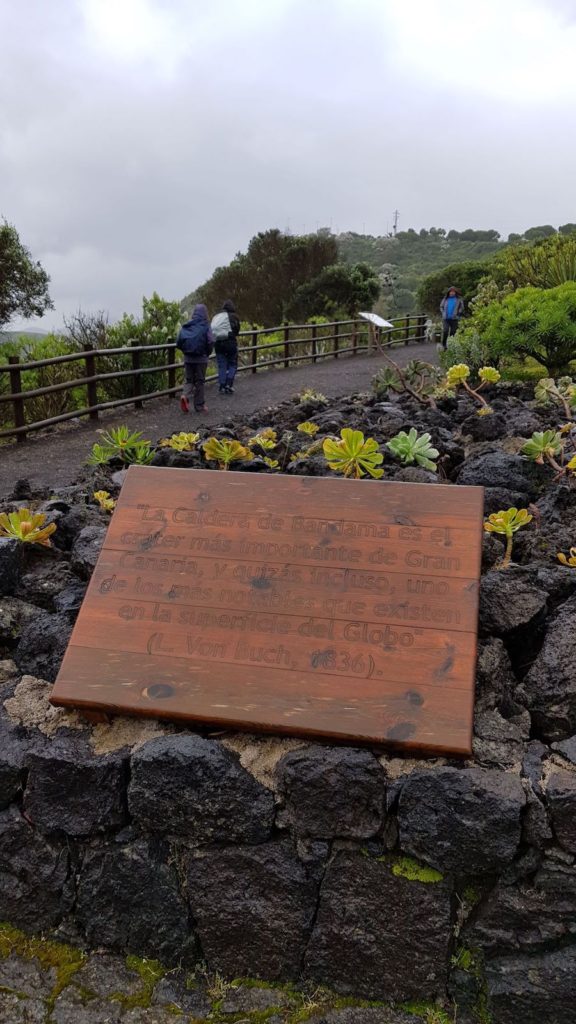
(259, 350)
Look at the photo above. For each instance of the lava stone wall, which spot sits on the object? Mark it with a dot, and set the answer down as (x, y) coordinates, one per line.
(381, 878)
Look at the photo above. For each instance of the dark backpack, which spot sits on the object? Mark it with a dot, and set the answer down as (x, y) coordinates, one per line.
(192, 339)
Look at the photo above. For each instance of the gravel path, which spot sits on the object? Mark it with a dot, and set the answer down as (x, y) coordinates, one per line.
(53, 458)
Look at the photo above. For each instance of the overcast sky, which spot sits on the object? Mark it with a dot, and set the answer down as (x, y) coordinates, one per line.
(143, 142)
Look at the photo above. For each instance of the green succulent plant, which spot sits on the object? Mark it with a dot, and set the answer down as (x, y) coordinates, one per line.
(386, 379)
(99, 455)
(225, 452)
(27, 527)
(354, 455)
(264, 441)
(119, 443)
(310, 395)
(410, 447)
(106, 503)
(489, 375)
(308, 428)
(561, 392)
(417, 379)
(544, 446)
(569, 559)
(181, 442)
(507, 523)
(141, 454)
(457, 374)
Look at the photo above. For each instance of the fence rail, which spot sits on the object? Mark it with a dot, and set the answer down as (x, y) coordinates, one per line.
(258, 350)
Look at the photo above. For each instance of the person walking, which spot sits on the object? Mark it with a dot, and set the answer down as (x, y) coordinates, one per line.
(226, 328)
(196, 341)
(452, 309)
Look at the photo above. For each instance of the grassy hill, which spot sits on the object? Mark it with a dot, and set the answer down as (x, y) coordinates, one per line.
(404, 260)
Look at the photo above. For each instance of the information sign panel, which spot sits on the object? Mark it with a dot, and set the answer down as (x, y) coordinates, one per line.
(305, 605)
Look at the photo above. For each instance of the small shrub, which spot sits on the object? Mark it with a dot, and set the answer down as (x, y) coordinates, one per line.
(27, 526)
(533, 322)
(353, 455)
(470, 347)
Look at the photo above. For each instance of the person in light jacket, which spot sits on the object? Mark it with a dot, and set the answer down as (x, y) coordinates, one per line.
(226, 328)
(195, 340)
(452, 309)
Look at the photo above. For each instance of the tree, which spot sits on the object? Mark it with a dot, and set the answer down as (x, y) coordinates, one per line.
(84, 329)
(341, 288)
(470, 235)
(542, 231)
(514, 237)
(263, 282)
(23, 282)
(464, 276)
(535, 322)
(567, 229)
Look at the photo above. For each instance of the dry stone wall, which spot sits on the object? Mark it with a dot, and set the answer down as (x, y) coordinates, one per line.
(381, 877)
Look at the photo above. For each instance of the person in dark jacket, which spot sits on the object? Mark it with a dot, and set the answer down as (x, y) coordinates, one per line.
(226, 328)
(452, 309)
(196, 341)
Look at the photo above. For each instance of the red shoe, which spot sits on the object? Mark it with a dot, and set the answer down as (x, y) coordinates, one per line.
(184, 403)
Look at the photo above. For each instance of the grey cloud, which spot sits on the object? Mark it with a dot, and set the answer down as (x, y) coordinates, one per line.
(131, 172)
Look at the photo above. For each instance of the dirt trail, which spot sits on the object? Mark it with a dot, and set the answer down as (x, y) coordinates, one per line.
(54, 458)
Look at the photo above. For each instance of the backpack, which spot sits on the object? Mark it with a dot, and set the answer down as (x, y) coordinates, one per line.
(221, 326)
(191, 339)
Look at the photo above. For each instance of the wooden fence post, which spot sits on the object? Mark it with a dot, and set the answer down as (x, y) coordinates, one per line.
(92, 385)
(172, 374)
(254, 353)
(286, 346)
(17, 403)
(136, 385)
(354, 339)
(314, 343)
(336, 340)
(407, 330)
(421, 328)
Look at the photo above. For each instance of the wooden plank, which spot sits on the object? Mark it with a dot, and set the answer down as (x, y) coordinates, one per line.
(314, 606)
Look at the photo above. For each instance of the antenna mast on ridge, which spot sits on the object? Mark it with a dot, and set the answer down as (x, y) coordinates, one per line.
(395, 226)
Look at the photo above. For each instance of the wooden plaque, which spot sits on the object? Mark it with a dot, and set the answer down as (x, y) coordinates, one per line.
(327, 607)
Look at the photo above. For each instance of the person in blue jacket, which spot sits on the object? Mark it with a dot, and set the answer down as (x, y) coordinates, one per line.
(196, 342)
(452, 309)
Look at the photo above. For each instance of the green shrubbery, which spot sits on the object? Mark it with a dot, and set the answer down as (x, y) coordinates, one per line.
(159, 325)
(531, 322)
